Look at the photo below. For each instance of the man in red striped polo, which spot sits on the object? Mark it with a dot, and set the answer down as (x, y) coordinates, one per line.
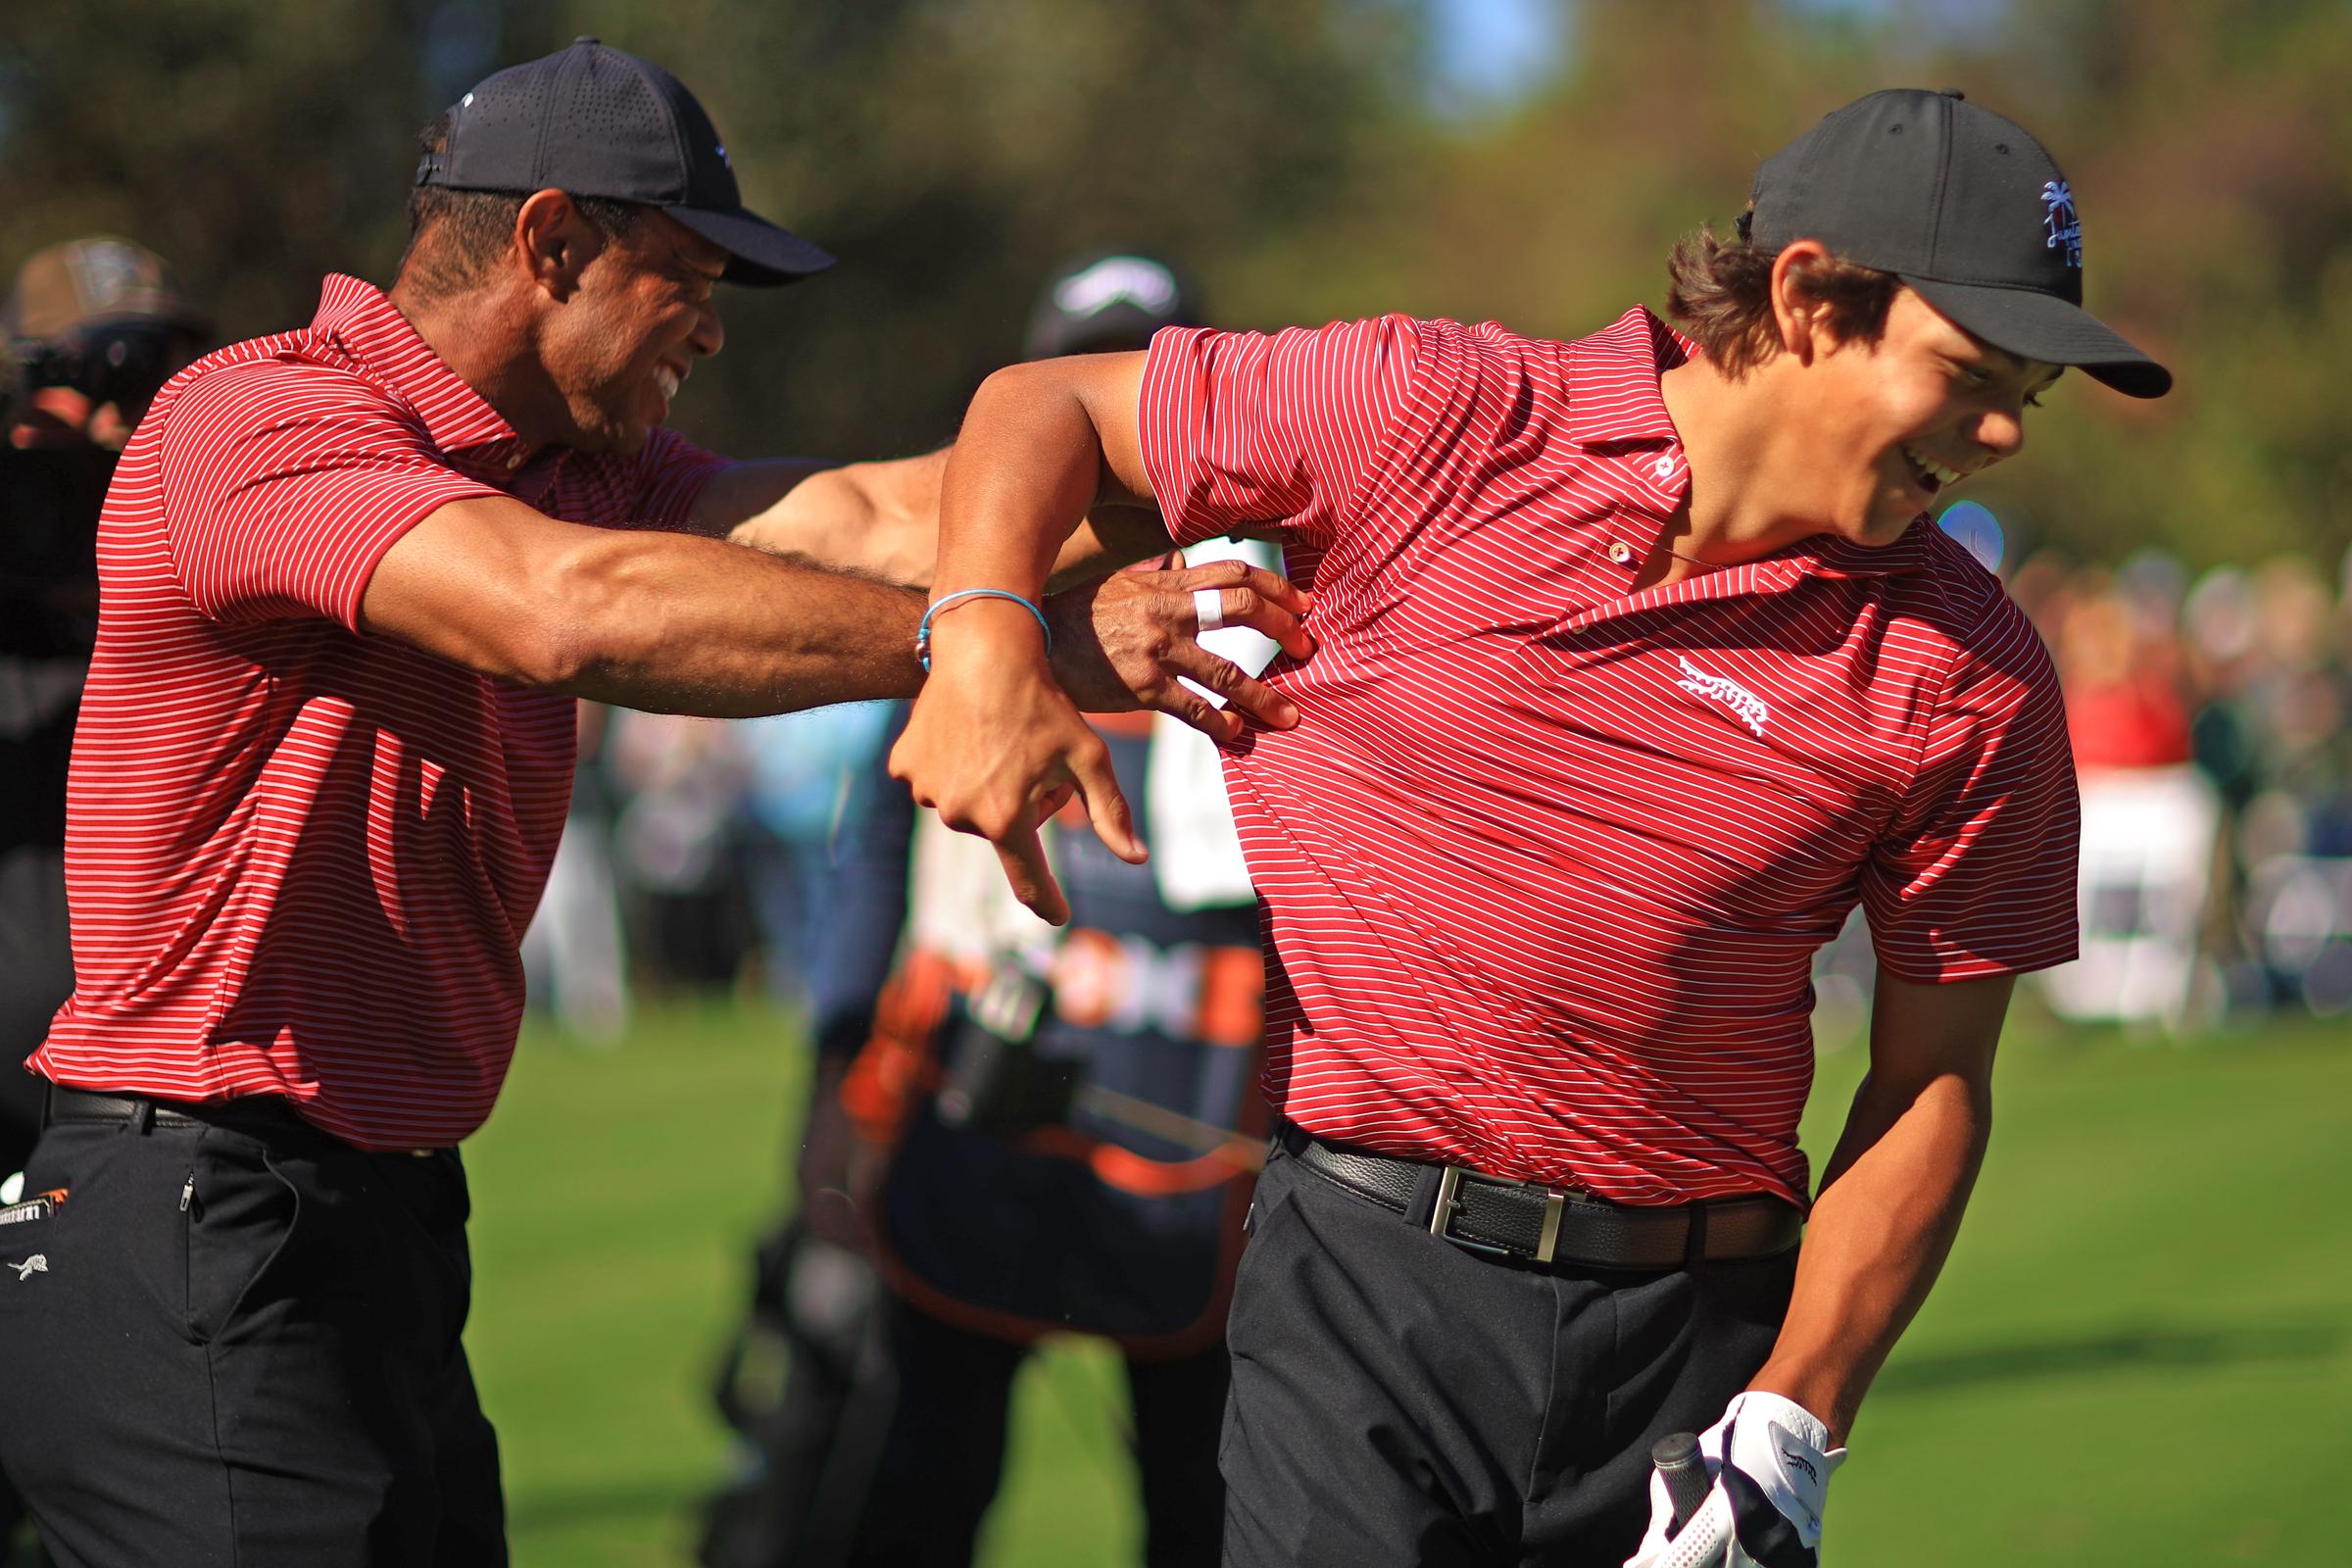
(1639, 664)
(354, 576)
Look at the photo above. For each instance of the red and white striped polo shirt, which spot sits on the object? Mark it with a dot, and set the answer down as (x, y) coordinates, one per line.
(299, 860)
(1546, 861)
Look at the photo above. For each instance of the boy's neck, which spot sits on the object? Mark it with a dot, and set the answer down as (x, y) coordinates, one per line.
(1745, 462)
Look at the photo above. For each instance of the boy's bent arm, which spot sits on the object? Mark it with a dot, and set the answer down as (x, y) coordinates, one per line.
(995, 745)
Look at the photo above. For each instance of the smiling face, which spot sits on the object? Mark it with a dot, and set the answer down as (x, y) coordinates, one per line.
(639, 315)
(1890, 428)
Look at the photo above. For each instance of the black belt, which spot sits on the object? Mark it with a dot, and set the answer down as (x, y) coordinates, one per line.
(261, 1116)
(88, 1106)
(1548, 1225)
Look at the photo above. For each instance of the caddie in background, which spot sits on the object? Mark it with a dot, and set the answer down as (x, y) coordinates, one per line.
(1639, 663)
(354, 576)
(1026, 1132)
(90, 330)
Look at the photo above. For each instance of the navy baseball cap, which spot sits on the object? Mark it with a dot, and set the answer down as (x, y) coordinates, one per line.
(1108, 299)
(595, 122)
(1963, 205)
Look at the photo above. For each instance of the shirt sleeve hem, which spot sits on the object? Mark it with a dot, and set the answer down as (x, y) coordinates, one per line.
(1152, 392)
(362, 564)
(1968, 966)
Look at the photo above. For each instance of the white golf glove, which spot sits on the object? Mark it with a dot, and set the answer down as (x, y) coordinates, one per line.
(1764, 1510)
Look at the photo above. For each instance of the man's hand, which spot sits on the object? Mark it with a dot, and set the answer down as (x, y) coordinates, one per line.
(997, 746)
(1121, 643)
(1764, 1510)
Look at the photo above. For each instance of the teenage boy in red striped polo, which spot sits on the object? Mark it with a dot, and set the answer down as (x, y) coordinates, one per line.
(1638, 666)
(353, 578)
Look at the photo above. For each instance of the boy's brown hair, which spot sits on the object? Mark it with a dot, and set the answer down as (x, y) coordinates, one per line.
(1719, 293)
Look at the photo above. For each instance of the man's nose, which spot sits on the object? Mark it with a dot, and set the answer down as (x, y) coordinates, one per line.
(710, 333)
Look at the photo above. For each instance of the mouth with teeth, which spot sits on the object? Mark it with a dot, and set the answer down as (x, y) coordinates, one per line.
(1926, 472)
(666, 380)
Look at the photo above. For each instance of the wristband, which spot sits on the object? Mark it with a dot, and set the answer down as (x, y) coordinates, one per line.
(922, 633)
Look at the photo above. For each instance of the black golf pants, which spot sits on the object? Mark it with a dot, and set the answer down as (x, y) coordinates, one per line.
(1397, 1401)
(241, 1349)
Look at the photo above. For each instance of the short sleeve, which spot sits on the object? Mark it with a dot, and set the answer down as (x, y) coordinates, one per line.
(1245, 430)
(284, 485)
(671, 476)
(1977, 877)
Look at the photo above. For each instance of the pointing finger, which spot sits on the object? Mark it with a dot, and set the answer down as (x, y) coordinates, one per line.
(1106, 806)
(1024, 856)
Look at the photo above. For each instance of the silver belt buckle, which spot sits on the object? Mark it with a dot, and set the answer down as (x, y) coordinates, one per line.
(1449, 1187)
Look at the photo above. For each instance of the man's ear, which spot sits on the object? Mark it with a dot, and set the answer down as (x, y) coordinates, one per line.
(1800, 318)
(555, 241)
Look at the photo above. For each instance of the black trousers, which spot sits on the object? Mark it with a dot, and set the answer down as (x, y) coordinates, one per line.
(1399, 1400)
(240, 1346)
(945, 1456)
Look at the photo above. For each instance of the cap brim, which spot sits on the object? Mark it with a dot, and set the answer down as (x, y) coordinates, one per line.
(762, 255)
(2042, 327)
(168, 309)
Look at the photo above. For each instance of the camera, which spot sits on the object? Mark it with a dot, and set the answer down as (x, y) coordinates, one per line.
(123, 362)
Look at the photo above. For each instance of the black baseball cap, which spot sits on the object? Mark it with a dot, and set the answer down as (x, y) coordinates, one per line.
(1963, 205)
(595, 122)
(1106, 299)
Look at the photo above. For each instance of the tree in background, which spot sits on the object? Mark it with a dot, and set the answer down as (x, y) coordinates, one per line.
(1289, 154)
(950, 154)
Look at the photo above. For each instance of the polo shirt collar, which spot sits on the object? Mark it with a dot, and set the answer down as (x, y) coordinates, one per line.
(1614, 402)
(1613, 397)
(358, 316)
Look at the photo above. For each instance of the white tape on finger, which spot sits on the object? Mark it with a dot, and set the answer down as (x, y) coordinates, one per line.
(1245, 646)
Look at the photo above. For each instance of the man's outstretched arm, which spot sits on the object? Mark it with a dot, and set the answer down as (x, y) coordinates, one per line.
(677, 623)
(1891, 1197)
(881, 519)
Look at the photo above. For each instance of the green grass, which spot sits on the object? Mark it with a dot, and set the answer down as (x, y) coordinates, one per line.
(2140, 1353)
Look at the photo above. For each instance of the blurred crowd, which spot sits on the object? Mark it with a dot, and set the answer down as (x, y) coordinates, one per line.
(698, 856)
(2233, 684)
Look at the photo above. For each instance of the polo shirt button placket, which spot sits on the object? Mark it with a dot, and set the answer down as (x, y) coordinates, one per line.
(1621, 553)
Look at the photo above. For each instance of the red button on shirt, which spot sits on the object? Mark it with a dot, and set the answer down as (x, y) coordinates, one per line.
(1546, 861)
(299, 860)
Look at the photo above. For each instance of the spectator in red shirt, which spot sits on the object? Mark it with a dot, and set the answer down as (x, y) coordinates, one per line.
(1638, 666)
(2123, 706)
(354, 576)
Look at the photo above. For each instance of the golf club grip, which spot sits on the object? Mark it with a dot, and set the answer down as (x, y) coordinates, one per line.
(1679, 1462)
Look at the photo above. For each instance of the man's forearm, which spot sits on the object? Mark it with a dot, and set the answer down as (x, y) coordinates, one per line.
(881, 520)
(878, 519)
(699, 626)
(1888, 1210)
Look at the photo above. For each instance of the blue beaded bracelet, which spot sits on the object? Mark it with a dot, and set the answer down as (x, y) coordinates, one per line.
(922, 633)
